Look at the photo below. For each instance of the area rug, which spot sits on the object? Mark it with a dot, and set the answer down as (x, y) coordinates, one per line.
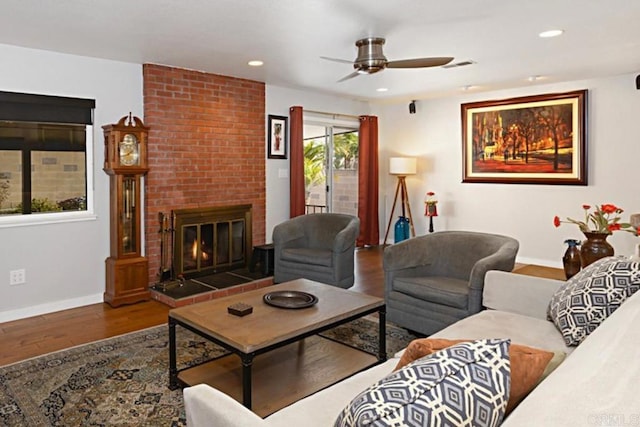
(123, 380)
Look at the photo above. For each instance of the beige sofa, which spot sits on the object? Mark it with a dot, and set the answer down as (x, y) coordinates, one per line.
(596, 384)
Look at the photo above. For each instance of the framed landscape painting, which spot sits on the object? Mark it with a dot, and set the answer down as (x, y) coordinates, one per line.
(277, 141)
(537, 139)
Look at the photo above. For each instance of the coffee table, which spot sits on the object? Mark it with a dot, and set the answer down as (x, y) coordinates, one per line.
(288, 335)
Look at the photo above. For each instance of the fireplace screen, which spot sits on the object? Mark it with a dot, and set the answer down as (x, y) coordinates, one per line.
(210, 240)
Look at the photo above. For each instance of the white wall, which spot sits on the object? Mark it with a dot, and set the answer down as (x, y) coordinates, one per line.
(525, 212)
(278, 101)
(64, 262)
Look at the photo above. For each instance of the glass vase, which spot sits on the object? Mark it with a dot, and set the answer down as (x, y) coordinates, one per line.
(401, 230)
(595, 247)
(571, 259)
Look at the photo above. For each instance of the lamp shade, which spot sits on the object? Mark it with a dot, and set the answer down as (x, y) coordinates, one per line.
(402, 166)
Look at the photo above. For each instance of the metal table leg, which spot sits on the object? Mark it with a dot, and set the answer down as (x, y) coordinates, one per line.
(382, 335)
(247, 361)
(173, 370)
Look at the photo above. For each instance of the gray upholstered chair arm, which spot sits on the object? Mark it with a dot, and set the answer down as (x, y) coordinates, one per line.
(346, 238)
(410, 253)
(289, 234)
(501, 260)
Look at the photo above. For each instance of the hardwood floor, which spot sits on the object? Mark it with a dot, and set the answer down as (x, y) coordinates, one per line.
(368, 271)
(35, 336)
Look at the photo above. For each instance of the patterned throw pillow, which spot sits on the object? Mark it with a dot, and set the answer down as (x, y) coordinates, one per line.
(529, 366)
(581, 304)
(464, 385)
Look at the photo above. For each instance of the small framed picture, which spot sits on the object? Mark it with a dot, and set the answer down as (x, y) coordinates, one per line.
(278, 137)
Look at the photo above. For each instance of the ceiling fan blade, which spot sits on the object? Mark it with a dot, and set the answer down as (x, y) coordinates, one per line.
(419, 62)
(350, 76)
(343, 61)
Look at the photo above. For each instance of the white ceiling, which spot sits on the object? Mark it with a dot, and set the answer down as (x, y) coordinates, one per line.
(602, 38)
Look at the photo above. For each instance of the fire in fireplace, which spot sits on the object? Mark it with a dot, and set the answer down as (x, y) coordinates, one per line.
(211, 240)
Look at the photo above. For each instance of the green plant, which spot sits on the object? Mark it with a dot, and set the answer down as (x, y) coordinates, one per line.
(314, 158)
(41, 205)
(73, 204)
(4, 191)
(345, 150)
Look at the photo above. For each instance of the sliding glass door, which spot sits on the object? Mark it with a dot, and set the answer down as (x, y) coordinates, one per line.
(331, 168)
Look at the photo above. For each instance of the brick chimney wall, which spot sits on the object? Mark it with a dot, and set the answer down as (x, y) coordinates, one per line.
(206, 147)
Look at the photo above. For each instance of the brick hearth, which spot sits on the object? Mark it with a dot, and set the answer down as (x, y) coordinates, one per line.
(207, 296)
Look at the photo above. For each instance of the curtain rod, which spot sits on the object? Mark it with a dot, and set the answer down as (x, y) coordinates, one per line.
(333, 115)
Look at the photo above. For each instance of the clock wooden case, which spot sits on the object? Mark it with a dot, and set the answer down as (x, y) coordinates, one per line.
(125, 161)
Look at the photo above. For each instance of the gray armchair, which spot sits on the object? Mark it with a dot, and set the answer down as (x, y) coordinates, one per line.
(318, 247)
(433, 281)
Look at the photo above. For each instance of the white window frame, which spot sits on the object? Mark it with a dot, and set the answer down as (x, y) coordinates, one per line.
(19, 220)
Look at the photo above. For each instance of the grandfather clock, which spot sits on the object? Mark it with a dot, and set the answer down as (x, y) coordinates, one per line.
(125, 161)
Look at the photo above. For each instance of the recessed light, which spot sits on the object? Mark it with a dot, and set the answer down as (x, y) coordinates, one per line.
(256, 63)
(550, 33)
(382, 89)
(534, 78)
(467, 87)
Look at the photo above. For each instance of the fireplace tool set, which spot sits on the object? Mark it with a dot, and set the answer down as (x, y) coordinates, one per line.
(166, 273)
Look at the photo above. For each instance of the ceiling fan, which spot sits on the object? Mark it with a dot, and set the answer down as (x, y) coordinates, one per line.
(370, 59)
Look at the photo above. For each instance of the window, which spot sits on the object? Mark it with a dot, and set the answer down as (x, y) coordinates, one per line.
(45, 153)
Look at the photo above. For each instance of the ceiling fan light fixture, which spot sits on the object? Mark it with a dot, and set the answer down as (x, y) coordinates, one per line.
(371, 60)
(550, 33)
(367, 69)
(370, 49)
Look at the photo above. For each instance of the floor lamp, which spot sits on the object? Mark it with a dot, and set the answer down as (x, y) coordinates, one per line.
(401, 167)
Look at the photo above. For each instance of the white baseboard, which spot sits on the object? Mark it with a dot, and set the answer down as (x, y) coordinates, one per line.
(36, 310)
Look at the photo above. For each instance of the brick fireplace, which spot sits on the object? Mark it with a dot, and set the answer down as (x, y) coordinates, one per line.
(206, 148)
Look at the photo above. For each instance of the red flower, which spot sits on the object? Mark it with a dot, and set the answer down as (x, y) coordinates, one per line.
(604, 218)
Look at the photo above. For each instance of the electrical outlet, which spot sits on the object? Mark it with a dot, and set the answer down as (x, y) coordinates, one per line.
(17, 277)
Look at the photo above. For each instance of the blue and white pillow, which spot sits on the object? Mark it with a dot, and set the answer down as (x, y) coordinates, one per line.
(463, 385)
(580, 305)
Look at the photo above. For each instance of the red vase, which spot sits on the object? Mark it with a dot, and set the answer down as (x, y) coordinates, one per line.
(594, 248)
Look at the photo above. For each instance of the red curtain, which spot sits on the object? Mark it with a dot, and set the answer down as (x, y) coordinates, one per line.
(296, 163)
(368, 182)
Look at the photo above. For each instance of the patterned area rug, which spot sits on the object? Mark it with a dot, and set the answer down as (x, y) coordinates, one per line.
(123, 380)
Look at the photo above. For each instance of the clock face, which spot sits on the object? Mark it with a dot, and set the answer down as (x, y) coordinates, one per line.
(129, 151)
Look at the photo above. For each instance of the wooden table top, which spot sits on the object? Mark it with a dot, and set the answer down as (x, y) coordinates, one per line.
(269, 325)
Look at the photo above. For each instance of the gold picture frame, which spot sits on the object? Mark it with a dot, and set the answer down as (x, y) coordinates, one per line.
(538, 139)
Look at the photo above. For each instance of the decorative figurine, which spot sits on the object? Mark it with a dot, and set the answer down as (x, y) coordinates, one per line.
(430, 208)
